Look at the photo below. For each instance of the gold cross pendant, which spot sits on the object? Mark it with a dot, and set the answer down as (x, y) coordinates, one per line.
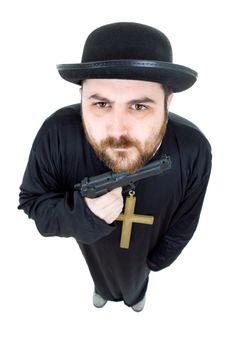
(128, 218)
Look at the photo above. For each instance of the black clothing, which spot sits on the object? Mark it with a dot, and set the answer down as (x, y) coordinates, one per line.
(61, 157)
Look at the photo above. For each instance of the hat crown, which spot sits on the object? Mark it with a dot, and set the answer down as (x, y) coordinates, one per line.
(126, 40)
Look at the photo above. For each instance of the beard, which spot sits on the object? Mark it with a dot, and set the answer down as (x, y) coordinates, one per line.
(126, 154)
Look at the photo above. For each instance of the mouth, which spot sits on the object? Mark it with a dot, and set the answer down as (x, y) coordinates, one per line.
(121, 148)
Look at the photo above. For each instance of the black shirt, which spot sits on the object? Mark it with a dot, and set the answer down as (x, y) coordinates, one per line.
(61, 157)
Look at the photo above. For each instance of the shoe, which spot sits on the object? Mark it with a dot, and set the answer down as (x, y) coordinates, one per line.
(98, 301)
(139, 306)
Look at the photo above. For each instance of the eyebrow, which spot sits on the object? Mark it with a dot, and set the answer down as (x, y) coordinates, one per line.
(144, 99)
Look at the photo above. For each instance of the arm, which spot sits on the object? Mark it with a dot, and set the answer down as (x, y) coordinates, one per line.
(55, 210)
(197, 167)
(181, 228)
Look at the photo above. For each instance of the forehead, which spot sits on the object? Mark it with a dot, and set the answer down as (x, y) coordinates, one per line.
(120, 87)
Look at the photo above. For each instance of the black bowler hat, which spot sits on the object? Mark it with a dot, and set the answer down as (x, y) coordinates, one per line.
(128, 50)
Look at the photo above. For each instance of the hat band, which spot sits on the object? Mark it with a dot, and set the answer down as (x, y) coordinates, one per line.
(127, 63)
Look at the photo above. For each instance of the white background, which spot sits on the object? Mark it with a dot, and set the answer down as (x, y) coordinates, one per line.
(46, 289)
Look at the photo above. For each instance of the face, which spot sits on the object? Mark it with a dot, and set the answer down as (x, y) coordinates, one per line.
(124, 120)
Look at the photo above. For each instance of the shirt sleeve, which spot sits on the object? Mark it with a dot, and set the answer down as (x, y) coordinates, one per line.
(180, 230)
(56, 212)
(184, 220)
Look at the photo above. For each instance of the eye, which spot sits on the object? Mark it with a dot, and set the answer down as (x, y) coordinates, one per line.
(102, 104)
(139, 107)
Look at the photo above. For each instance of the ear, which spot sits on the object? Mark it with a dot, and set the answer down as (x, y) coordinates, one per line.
(169, 100)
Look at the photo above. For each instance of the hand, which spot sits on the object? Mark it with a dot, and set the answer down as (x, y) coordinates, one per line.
(107, 207)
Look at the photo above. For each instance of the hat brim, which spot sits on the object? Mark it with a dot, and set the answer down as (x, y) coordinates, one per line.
(177, 77)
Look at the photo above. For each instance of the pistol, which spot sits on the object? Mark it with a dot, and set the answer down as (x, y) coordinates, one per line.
(96, 186)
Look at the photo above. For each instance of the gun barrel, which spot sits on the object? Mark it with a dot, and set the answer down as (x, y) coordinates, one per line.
(154, 168)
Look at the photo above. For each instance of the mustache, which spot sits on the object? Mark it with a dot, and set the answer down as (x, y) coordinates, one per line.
(122, 142)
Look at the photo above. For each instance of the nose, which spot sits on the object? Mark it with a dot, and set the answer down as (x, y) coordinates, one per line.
(117, 123)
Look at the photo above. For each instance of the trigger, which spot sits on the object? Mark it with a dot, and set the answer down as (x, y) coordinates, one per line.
(129, 187)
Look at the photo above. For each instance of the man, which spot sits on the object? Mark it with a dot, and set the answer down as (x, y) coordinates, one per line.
(127, 82)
